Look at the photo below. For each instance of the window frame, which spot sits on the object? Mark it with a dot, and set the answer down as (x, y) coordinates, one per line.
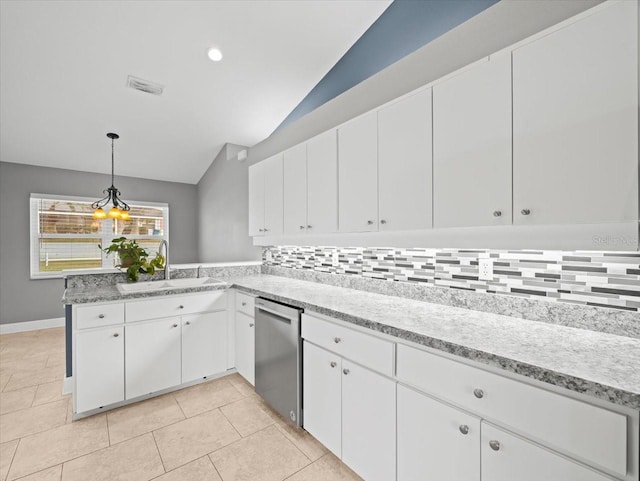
(105, 236)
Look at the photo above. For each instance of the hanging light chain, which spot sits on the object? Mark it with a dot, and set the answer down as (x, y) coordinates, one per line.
(120, 208)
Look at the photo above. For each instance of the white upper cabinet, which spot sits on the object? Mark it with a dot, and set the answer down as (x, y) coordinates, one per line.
(575, 122)
(405, 163)
(273, 179)
(322, 183)
(358, 174)
(295, 190)
(256, 199)
(472, 146)
(265, 197)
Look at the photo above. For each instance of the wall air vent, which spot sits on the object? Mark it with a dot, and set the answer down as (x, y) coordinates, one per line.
(144, 85)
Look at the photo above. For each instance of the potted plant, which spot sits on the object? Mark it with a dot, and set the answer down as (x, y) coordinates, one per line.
(134, 258)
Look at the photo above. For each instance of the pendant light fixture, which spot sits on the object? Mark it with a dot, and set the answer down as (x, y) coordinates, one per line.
(119, 209)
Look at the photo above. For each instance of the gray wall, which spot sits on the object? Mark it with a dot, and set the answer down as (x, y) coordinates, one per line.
(22, 299)
(498, 27)
(223, 202)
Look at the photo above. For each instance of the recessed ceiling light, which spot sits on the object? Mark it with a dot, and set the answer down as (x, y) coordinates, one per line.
(214, 54)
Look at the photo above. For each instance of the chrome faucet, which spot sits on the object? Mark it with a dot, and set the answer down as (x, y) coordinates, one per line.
(165, 244)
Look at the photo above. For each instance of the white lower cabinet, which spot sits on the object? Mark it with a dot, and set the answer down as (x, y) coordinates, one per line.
(368, 422)
(204, 345)
(99, 368)
(435, 440)
(351, 410)
(245, 346)
(245, 339)
(322, 396)
(127, 349)
(506, 457)
(152, 351)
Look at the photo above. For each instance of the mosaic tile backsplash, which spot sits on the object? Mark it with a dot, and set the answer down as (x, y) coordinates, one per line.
(603, 279)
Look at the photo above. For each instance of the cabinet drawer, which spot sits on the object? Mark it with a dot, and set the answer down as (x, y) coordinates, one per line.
(370, 351)
(593, 434)
(245, 303)
(97, 315)
(175, 306)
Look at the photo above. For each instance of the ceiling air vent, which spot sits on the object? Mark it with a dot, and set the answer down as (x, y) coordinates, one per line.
(144, 85)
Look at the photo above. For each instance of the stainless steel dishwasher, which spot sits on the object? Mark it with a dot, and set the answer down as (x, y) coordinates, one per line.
(279, 357)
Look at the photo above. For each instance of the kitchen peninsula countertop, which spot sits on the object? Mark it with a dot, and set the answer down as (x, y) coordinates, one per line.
(600, 365)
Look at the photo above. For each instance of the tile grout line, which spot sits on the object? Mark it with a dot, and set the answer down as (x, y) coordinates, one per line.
(159, 453)
(13, 457)
(214, 466)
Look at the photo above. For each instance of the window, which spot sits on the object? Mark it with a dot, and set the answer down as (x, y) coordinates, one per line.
(65, 236)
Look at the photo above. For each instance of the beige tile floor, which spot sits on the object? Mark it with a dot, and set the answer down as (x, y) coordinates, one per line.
(216, 431)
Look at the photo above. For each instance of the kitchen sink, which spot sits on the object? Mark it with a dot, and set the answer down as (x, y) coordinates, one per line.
(169, 284)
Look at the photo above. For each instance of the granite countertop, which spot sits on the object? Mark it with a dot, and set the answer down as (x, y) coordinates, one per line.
(111, 293)
(604, 366)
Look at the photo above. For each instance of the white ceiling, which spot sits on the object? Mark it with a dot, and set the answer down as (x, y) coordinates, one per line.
(64, 66)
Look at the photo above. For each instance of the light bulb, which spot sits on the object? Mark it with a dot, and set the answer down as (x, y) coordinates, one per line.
(124, 215)
(99, 213)
(214, 54)
(114, 213)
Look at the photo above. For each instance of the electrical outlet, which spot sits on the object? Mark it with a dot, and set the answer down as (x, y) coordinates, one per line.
(335, 259)
(485, 268)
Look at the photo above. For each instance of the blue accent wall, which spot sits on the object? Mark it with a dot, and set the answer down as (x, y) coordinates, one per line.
(405, 26)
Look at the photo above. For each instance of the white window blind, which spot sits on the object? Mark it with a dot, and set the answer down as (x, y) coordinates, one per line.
(64, 235)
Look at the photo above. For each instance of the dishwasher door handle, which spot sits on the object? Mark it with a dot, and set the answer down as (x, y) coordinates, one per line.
(275, 313)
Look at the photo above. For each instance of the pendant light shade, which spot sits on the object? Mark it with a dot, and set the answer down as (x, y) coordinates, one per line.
(119, 209)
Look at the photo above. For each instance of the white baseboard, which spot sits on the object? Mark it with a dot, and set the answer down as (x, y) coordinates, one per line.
(67, 385)
(31, 325)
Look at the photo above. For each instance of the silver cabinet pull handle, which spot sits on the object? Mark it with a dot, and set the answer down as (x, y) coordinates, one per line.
(370, 222)
(497, 213)
(337, 340)
(260, 230)
(345, 371)
(525, 211)
(464, 429)
(265, 229)
(333, 364)
(244, 304)
(116, 335)
(180, 306)
(383, 221)
(495, 445)
(479, 393)
(301, 227)
(175, 325)
(251, 324)
(308, 227)
(100, 316)
(188, 323)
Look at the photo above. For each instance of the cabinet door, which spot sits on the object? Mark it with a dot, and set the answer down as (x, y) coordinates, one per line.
(204, 345)
(505, 457)
(322, 183)
(368, 423)
(245, 346)
(295, 190)
(472, 146)
(152, 351)
(435, 441)
(358, 174)
(575, 122)
(99, 369)
(321, 396)
(404, 163)
(273, 179)
(256, 199)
